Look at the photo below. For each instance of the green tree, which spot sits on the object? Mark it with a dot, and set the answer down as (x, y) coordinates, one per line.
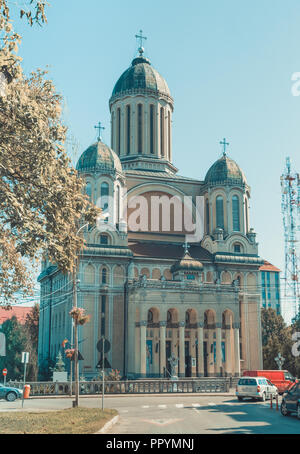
(31, 332)
(277, 338)
(42, 200)
(15, 345)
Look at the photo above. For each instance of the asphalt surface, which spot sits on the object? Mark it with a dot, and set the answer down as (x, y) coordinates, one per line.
(177, 414)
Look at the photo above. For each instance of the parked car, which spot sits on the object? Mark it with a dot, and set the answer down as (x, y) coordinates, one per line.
(259, 388)
(282, 379)
(9, 393)
(291, 401)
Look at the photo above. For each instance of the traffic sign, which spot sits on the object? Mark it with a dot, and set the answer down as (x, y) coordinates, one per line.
(106, 345)
(25, 357)
(4, 372)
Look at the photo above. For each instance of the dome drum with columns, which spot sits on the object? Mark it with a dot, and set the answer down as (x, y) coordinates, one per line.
(148, 292)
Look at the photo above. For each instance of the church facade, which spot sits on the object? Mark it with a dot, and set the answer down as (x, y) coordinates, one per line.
(153, 286)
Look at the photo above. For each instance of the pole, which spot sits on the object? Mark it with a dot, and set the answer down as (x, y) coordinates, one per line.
(76, 401)
(4, 379)
(24, 382)
(102, 373)
(71, 360)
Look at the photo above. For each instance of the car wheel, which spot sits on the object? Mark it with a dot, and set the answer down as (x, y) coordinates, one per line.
(11, 396)
(263, 397)
(283, 409)
(240, 398)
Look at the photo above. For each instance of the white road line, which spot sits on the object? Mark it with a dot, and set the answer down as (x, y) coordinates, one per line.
(145, 406)
(162, 406)
(196, 405)
(179, 405)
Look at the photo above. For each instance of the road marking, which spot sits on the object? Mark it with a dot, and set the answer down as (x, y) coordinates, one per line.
(179, 405)
(196, 405)
(212, 404)
(161, 422)
(145, 406)
(162, 406)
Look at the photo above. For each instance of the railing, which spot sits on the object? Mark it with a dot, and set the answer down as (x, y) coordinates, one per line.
(150, 386)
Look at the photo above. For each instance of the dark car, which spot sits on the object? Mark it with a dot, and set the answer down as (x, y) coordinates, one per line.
(291, 401)
(9, 393)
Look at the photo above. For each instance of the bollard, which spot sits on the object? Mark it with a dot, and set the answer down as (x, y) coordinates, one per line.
(277, 408)
(271, 401)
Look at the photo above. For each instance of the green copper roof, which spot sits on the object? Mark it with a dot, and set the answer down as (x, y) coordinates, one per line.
(141, 77)
(225, 170)
(99, 157)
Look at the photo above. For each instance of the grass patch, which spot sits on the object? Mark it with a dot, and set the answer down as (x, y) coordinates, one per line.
(69, 421)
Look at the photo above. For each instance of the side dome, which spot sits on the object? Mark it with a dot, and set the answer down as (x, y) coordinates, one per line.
(99, 157)
(187, 263)
(141, 77)
(225, 171)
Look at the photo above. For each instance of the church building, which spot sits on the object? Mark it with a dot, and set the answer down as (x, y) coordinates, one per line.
(152, 286)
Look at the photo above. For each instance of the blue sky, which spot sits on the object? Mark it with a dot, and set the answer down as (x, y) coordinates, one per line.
(228, 64)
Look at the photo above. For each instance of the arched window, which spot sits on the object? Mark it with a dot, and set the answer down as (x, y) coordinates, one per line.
(150, 316)
(88, 190)
(128, 129)
(207, 217)
(104, 240)
(104, 276)
(235, 213)
(219, 212)
(118, 205)
(169, 135)
(104, 193)
(140, 127)
(151, 128)
(118, 131)
(162, 132)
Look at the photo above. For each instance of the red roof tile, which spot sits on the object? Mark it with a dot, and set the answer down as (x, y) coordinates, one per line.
(18, 311)
(267, 266)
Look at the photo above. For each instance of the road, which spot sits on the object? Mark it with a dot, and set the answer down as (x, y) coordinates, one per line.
(178, 414)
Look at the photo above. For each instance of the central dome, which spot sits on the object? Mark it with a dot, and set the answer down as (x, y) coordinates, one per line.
(141, 77)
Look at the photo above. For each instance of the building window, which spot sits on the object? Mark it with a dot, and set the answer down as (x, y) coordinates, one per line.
(119, 131)
(207, 217)
(88, 190)
(169, 135)
(104, 276)
(103, 239)
(140, 128)
(128, 129)
(162, 132)
(151, 129)
(235, 213)
(219, 212)
(117, 205)
(150, 317)
(237, 248)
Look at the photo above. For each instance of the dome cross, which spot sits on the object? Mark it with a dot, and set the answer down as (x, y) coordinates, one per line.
(99, 127)
(225, 144)
(140, 37)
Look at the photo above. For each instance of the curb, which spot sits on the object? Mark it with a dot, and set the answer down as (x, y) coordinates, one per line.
(108, 425)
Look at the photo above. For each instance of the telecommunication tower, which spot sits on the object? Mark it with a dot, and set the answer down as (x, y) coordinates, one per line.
(290, 206)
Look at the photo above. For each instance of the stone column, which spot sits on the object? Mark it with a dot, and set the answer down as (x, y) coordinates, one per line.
(228, 350)
(181, 350)
(218, 349)
(143, 332)
(162, 348)
(200, 350)
(237, 364)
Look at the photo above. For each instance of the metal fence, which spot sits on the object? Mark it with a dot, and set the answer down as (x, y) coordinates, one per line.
(151, 386)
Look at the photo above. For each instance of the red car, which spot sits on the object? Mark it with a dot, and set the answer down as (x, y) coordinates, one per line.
(282, 379)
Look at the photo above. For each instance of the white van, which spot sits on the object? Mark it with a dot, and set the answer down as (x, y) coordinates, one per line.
(259, 388)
